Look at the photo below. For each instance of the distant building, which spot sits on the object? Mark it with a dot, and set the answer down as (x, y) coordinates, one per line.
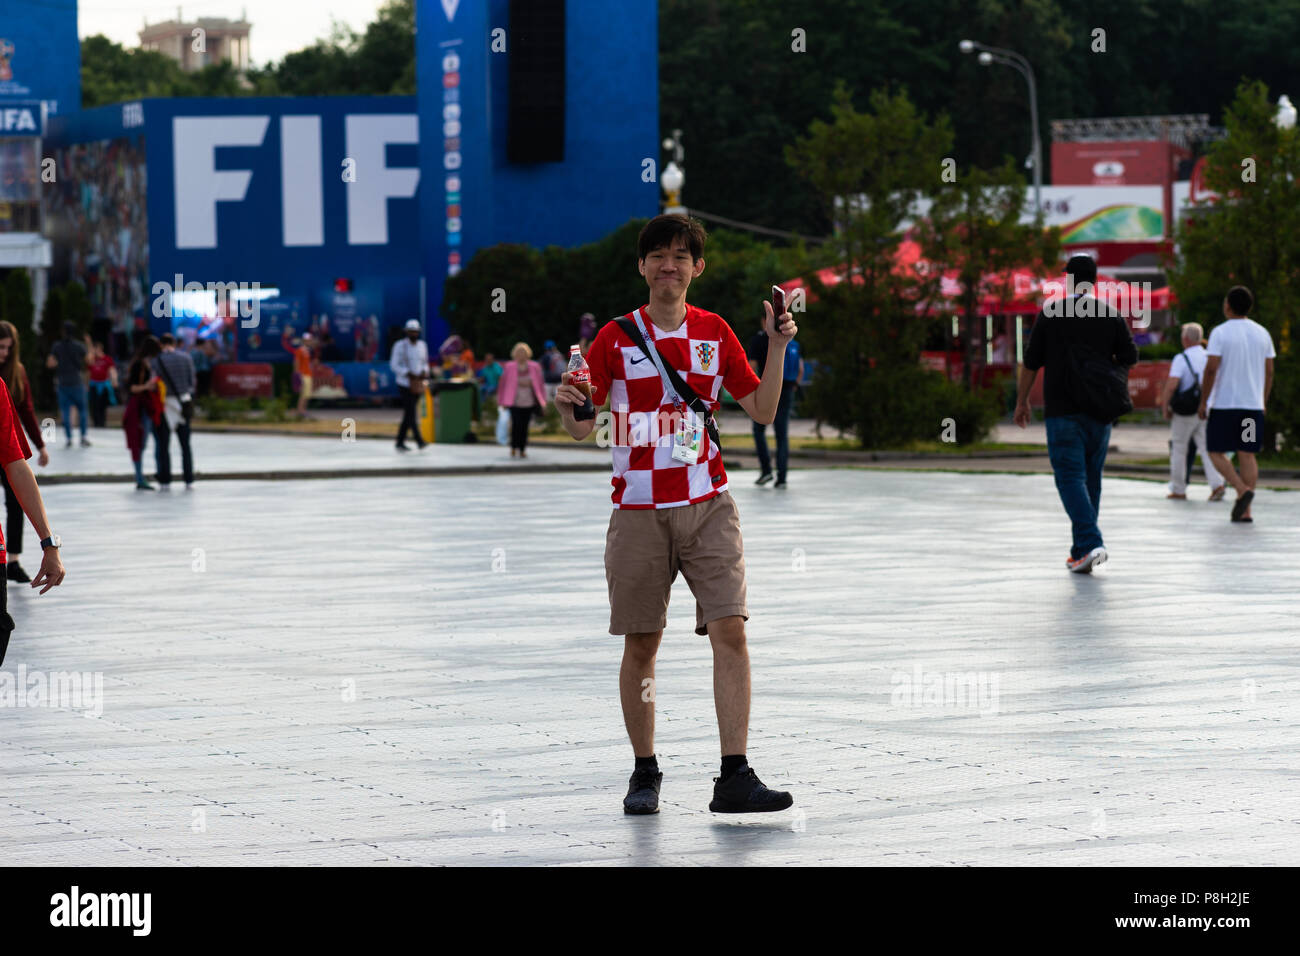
(198, 43)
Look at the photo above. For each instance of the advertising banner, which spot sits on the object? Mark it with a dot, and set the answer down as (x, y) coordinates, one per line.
(276, 315)
(242, 380)
(353, 380)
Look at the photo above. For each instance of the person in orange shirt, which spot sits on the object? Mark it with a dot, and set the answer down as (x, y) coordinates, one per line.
(302, 365)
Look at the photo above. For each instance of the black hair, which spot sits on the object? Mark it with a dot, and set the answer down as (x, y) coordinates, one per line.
(662, 231)
(1240, 301)
(1083, 268)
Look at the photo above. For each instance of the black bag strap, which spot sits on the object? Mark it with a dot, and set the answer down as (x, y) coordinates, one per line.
(171, 386)
(694, 401)
(162, 367)
(1188, 362)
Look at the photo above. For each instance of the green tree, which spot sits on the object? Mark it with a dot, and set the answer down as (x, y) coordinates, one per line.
(974, 226)
(1250, 236)
(731, 81)
(872, 168)
(378, 61)
(111, 74)
(77, 309)
(509, 293)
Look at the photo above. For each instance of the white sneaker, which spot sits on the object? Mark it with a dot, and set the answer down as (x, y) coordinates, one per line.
(1085, 564)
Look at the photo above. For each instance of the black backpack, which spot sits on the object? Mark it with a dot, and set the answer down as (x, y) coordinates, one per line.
(1187, 401)
(1099, 386)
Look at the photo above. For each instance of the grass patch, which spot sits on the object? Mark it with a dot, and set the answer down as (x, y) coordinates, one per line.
(1282, 459)
(915, 448)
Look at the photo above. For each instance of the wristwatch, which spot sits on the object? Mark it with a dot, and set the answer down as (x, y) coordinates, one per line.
(53, 541)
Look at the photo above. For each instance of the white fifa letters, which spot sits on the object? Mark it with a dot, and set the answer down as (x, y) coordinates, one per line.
(199, 185)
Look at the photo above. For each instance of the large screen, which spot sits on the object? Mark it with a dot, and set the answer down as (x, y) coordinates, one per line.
(19, 191)
(97, 219)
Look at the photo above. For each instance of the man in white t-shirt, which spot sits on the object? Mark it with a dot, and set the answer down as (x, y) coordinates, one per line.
(1185, 372)
(1238, 380)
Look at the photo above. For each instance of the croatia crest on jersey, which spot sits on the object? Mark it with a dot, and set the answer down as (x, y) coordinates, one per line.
(705, 352)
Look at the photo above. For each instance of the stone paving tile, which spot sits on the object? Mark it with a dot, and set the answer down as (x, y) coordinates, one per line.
(340, 677)
(242, 452)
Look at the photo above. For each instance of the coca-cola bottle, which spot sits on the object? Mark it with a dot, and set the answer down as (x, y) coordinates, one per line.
(580, 378)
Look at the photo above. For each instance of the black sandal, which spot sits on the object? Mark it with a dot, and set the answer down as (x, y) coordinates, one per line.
(1241, 504)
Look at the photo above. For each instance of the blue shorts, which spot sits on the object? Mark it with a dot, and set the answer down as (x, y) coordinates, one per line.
(1228, 428)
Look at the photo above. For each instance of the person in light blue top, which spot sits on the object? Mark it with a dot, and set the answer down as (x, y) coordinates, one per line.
(793, 375)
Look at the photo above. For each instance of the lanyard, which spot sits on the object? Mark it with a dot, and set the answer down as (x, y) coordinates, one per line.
(654, 357)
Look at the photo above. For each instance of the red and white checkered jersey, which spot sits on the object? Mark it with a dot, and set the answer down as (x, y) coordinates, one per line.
(706, 353)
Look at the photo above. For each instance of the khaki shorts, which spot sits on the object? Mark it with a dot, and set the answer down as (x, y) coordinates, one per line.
(305, 391)
(644, 550)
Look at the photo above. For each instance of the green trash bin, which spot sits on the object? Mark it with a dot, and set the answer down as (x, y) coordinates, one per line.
(453, 410)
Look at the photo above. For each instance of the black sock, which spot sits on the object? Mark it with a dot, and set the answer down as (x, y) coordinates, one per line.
(647, 763)
(730, 765)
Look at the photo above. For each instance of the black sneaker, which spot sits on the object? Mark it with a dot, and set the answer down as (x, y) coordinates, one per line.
(764, 478)
(15, 572)
(780, 483)
(743, 792)
(643, 792)
(401, 447)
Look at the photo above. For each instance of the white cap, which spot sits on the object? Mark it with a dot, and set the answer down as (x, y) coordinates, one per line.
(412, 325)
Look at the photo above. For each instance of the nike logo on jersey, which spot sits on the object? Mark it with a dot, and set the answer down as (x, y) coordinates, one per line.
(640, 360)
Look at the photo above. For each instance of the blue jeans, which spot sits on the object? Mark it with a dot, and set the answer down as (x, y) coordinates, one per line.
(70, 395)
(1077, 446)
(781, 425)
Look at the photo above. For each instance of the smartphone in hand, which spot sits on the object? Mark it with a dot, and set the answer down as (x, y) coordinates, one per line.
(778, 305)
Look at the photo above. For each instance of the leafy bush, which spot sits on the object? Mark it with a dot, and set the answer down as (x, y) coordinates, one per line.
(272, 409)
(893, 405)
(226, 409)
(551, 420)
(1159, 351)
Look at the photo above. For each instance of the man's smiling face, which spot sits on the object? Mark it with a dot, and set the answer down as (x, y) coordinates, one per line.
(668, 271)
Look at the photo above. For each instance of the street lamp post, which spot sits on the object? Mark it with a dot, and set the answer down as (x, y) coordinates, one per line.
(674, 176)
(992, 54)
(1286, 113)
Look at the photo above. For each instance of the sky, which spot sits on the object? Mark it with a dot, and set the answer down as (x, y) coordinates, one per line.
(278, 26)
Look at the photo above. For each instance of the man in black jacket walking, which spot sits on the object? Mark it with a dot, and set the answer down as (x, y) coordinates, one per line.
(1076, 441)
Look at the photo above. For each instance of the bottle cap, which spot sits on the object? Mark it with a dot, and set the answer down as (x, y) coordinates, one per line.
(574, 348)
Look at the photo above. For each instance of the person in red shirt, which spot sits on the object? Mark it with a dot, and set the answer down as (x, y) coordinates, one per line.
(672, 509)
(103, 383)
(302, 357)
(14, 453)
(14, 376)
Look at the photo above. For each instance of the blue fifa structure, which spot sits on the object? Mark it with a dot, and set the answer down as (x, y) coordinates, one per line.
(40, 56)
(354, 210)
(312, 197)
(40, 77)
(472, 196)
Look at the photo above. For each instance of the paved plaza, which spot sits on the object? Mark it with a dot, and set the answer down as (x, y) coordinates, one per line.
(226, 454)
(416, 670)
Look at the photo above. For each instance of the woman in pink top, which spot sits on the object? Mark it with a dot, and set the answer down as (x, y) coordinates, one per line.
(521, 390)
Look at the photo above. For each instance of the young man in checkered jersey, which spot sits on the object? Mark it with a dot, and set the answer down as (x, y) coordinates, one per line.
(670, 515)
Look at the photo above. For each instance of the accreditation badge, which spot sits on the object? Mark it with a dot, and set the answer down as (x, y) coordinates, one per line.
(690, 434)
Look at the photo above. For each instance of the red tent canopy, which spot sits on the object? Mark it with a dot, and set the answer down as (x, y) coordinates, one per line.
(1026, 289)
